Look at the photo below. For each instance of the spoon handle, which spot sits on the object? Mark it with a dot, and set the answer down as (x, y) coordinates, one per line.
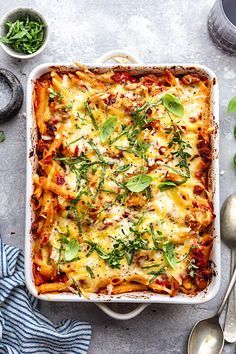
(230, 317)
(230, 287)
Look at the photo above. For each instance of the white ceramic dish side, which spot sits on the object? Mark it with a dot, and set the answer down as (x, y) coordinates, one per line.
(142, 298)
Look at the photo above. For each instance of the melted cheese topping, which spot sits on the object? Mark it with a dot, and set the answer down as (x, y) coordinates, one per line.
(121, 233)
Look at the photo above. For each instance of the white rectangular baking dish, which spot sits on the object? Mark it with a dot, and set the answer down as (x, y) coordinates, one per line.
(139, 297)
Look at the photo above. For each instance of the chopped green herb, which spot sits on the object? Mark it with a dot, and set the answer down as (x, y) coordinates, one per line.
(235, 160)
(74, 141)
(76, 286)
(107, 128)
(59, 261)
(181, 152)
(2, 136)
(155, 242)
(124, 132)
(96, 150)
(90, 113)
(55, 94)
(138, 183)
(156, 274)
(25, 35)
(71, 250)
(123, 168)
(232, 105)
(69, 106)
(140, 114)
(235, 132)
(192, 268)
(173, 104)
(89, 270)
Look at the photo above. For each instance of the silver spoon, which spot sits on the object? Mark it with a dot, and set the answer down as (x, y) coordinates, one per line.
(207, 335)
(228, 233)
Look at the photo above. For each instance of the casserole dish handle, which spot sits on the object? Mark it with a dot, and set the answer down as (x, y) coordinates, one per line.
(122, 316)
(119, 56)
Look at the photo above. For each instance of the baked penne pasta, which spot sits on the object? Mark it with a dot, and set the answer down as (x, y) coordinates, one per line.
(121, 196)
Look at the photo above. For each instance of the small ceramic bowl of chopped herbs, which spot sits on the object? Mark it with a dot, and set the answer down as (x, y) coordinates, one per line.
(23, 33)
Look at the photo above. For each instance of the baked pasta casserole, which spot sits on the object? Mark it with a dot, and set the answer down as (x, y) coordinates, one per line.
(121, 196)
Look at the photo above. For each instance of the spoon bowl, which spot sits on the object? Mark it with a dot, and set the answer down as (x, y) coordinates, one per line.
(206, 337)
(228, 221)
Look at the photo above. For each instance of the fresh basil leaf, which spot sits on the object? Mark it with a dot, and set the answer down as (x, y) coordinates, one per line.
(232, 105)
(107, 128)
(170, 254)
(138, 183)
(2, 136)
(72, 248)
(173, 104)
(163, 186)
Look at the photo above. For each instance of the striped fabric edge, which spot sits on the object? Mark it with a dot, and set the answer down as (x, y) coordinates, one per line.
(23, 329)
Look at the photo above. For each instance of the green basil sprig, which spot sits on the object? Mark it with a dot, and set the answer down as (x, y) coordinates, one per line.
(173, 104)
(138, 183)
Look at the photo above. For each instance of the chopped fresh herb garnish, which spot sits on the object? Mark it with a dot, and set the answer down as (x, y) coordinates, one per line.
(235, 160)
(24, 35)
(89, 270)
(55, 94)
(140, 114)
(96, 150)
(155, 242)
(235, 132)
(138, 183)
(163, 186)
(123, 168)
(125, 130)
(74, 141)
(81, 192)
(169, 252)
(121, 249)
(71, 250)
(180, 153)
(90, 113)
(107, 128)
(2, 136)
(76, 286)
(173, 104)
(73, 208)
(59, 260)
(232, 105)
(69, 106)
(192, 268)
(156, 274)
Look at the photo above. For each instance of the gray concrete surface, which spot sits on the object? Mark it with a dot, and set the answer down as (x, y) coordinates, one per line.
(157, 32)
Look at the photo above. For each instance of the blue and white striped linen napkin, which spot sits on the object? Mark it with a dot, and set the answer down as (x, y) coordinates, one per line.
(22, 328)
